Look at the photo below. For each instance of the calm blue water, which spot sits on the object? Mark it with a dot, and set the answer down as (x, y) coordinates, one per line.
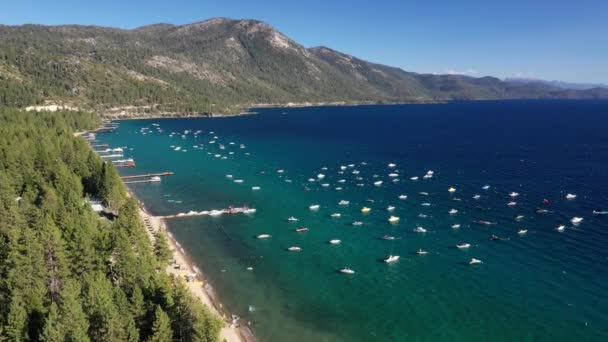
(545, 285)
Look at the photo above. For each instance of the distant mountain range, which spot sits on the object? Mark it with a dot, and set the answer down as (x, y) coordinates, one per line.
(215, 66)
(557, 84)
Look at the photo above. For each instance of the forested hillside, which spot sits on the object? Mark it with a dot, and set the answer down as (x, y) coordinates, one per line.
(66, 274)
(218, 65)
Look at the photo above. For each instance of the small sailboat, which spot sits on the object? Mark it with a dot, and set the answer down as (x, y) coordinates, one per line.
(294, 249)
(263, 236)
(335, 242)
(475, 261)
(570, 196)
(347, 270)
(463, 246)
(393, 219)
(391, 258)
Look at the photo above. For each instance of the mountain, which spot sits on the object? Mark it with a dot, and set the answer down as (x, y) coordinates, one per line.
(215, 66)
(557, 84)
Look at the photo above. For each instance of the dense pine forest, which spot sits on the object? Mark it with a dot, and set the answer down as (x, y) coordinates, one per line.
(67, 274)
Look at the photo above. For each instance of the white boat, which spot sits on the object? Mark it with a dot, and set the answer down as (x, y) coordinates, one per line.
(280, 171)
(177, 148)
(390, 208)
(453, 212)
(366, 210)
(216, 212)
(378, 183)
(420, 230)
(336, 215)
(263, 236)
(325, 185)
(391, 165)
(335, 242)
(320, 176)
(463, 246)
(402, 197)
(311, 179)
(342, 167)
(314, 207)
(570, 196)
(522, 232)
(455, 226)
(452, 190)
(388, 237)
(576, 220)
(238, 181)
(324, 168)
(393, 175)
(561, 228)
(519, 217)
(249, 211)
(343, 202)
(474, 261)
(356, 172)
(513, 194)
(254, 188)
(476, 197)
(155, 179)
(391, 258)
(347, 270)
(393, 219)
(430, 172)
(512, 204)
(249, 268)
(342, 181)
(292, 219)
(357, 223)
(426, 204)
(427, 176)
(294, 249)
(422, 252)
(485, 187)
(415, 178)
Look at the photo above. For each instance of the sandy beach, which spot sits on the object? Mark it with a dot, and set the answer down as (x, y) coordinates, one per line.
(182, 268)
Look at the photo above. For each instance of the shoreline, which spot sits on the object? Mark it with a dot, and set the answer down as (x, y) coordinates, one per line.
(183, 266)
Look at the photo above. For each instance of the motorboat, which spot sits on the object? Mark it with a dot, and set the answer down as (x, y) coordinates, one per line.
(475, 261)
(314, 207)
(390, 208)
(415, 178)
(402, 197)
(357, 223)
(336, 215)
(335, 242)
(347, 270)
(519, 217)
(463, 246)
(422, 252)
(294, 249)
(513, 194)
(426, 204)
(561, 228)
(455, 226)
(522, 232)
(391, 165)
(420, 230)
(391, 258)
(453, 212)
(292, 219)
(320, 176)
(366, 210)
(512, 204)
(477, 197)
(378, 183)
(343, 202)
(576, 220)
(393, 219)
(263, 236)
(570, 196)
(452, 190)
(388, 237)
(255, 188)
(238, 181)
(485, 187)
(301, 230)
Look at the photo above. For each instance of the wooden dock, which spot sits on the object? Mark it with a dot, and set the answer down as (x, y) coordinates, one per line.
(168, 173)
(142, 181)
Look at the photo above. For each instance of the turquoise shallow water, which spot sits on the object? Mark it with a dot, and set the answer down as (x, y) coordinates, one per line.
(545, 285)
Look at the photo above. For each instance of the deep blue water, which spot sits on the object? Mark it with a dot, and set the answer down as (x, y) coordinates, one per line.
(545, 285)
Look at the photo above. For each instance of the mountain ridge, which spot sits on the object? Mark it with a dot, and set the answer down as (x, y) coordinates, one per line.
(218, 65)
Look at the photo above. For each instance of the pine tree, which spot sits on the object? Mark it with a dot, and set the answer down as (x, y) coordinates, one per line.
(73, 319)
(161, 248)
(53, 331)
(161, 330)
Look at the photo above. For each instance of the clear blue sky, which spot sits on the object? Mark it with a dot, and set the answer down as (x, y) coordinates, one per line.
(548, 39)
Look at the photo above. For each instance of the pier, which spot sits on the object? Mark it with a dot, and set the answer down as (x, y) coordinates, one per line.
(228, 211)
(168, 173)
